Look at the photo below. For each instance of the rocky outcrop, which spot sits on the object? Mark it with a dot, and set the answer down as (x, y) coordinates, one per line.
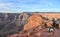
(34, 21)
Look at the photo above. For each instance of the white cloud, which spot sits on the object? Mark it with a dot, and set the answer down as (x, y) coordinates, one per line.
(47, 2)
(5, 6)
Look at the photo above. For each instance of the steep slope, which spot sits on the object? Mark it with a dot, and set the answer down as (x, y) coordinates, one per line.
(11, 23)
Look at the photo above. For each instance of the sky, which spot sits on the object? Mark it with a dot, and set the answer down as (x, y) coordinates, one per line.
(29, 5)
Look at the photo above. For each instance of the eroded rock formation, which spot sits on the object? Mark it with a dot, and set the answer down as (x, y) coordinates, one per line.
(34, 21)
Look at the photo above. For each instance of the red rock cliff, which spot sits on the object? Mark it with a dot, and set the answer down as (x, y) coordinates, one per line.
(33, 21)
